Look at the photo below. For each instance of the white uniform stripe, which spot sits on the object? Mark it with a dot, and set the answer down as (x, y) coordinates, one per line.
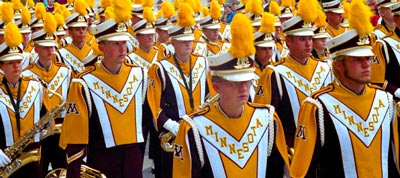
(5, 117)
(217, 167)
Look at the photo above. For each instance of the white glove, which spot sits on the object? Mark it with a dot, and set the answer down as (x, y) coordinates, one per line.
(172, 126)
(4, 160)
(397, 93)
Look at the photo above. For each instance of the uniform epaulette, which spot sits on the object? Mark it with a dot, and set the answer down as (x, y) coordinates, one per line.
(128, 63)
(198, 41)
(258, 105)
(197, 55)
(327, 89)
(281, 61)
(86, 71)
(200, 112)
(376, 86)
(27, 78)
(155, 47)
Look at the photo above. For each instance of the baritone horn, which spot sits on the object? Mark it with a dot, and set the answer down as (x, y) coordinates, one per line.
(167, 139)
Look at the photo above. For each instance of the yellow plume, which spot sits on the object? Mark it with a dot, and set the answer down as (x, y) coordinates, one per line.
(359, 17)
(109, 13)
(307, 9)
(17, 4)
(58, 10)
(267, 23)
(31, 3)
(91, 4)
(148, 3)
(197, 7)
(254, 6)
(66, 13)
(159, 14)
(320, 21)
(167, 9)
(7, 12)
(25, 15)
(106, 3)
(57, 5)
(80, 7)
(206, 12)
(244, 2)
(12, 36)
(59, 19)
(274, 8)
(242, 44)
(346, 8)
(70, 1)
(185, 16)
(191, 4)
(148, 14)
(50, 24)
(215, 10)
(287, 3)
(137, 1)
(122, 11)
(177, 4)
(221, 2)
(40, 10)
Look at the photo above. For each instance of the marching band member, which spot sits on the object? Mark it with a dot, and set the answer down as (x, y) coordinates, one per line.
(178, 84)
(105, 111)
(21, 104)
(288, 82)
(146, 53)
(320, 38)
(334, 11)
(350, 124)
(73, 53)
(387, 62)
(232, 137)
(57, 77)
(162, 24)
(210, 26)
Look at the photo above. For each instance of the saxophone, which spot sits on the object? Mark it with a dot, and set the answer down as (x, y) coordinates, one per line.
(167, 139)
(14, 152)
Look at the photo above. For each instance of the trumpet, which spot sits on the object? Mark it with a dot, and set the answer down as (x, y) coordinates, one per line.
(167, 139)
(398, 108)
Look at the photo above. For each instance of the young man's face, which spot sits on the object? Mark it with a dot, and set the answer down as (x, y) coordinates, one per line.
(320, 43)
(78, 34)
(145, 40)
(264, 54)
(12, 69)
(211, 34)
(334, 19)
(300, 47)
(182, 47)
(233, 92)
(354, 70)
(114, 51)
(45, 52)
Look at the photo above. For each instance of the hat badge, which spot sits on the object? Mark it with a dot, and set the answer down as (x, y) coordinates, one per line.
(341, 5)
(307, 25)
(242, 63)
(188, 30)
(149, 25)
(81, 19)
(121, 27)
(215, 21)
(268, 37)
(13, 49)
(60, 28)
(49, 37)
(287, 10)
(322, 30)
(169, 22)
(25, 25)
(363, 40)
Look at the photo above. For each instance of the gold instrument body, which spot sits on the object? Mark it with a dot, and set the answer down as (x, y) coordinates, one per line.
(86, 172)
(167, 139)
(15, 152)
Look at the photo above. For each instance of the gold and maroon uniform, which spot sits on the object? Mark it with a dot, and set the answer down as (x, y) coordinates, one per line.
(73, 56)
(286, 84)
(252, 145)
(104, 121)
(358, 134)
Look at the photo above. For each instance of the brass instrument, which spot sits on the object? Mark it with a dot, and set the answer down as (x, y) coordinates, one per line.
(167, 139)
(398, 109)
(14, 152)
(86, 172)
